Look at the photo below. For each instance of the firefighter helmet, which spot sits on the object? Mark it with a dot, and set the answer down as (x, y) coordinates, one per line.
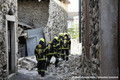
(61, 34)
(65, 34)
(41, 39)
(50, 42)
(56, 38)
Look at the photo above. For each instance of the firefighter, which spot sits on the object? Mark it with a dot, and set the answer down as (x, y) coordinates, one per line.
(50, 52)
(56, 49)
(61, 38)
(40, 57)
(66, 46)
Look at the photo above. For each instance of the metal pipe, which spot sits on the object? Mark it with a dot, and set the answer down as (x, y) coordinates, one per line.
(79, 21)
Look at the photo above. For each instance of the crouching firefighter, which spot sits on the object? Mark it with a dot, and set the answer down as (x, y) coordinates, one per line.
(40, 57)
(55, 43)
(50, 52)
(66, 46)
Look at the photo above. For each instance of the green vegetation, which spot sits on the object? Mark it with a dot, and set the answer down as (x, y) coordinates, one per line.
(74, 31)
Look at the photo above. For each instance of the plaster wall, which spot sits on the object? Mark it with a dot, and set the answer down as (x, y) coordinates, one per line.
(109, 37)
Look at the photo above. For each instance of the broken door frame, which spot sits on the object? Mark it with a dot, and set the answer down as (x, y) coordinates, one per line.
(14, 45)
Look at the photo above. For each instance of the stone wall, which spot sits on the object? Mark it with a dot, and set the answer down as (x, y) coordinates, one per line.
(58, 16)
(50, 15)
(91, 66)
(6, 7)
(33, 13)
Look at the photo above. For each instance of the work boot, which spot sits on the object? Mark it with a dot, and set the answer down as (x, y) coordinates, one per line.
(46, 68)
(42, 74)
(56, 65)
(39, 72)
(66, 58)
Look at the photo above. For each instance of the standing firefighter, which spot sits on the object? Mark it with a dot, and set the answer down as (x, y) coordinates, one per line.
(40, 57)
(66, 46)
(61, 38)
(56, 49)
(50, 52)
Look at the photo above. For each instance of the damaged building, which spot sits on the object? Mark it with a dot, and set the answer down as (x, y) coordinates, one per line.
(8, 38)
(19, 34)
(49, 15)
(99, 24)
(44, 18)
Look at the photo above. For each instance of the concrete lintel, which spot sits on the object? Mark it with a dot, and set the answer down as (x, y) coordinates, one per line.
(10, 18)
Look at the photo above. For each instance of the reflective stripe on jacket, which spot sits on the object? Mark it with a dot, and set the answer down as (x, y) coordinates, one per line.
(40, 59)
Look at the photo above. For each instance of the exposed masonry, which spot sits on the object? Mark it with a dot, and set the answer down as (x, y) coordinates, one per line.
(57, 21)
(91, 67)
(6, 7)
(52, 17)
(33, 13)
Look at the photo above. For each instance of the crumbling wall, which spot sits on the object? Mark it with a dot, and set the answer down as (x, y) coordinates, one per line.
(91, 66)
(58, 16)
(51, 15)
(6, 7)
(33, 13)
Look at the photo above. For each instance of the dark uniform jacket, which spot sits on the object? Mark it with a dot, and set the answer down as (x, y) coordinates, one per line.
(50, 49)
(55, 45)
(40, 53)
(66, 43)
(60, 38)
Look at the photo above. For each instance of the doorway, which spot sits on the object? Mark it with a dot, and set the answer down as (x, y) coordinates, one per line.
(11, 44)
(11, 51)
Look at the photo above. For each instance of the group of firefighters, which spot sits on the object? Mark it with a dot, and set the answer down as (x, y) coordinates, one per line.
(59, 48)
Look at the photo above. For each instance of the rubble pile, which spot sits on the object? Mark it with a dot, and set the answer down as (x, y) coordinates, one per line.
(28, 63)
(65, 70)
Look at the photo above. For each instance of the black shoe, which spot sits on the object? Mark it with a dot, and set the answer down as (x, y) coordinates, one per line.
(46, 68)
(66, 59)
(39, 73)
(43, 74)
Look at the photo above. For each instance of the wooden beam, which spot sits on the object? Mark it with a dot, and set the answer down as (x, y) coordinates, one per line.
(87, 46)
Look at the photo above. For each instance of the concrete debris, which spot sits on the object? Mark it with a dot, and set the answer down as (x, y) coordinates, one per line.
(65, 70)
(27, 63)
